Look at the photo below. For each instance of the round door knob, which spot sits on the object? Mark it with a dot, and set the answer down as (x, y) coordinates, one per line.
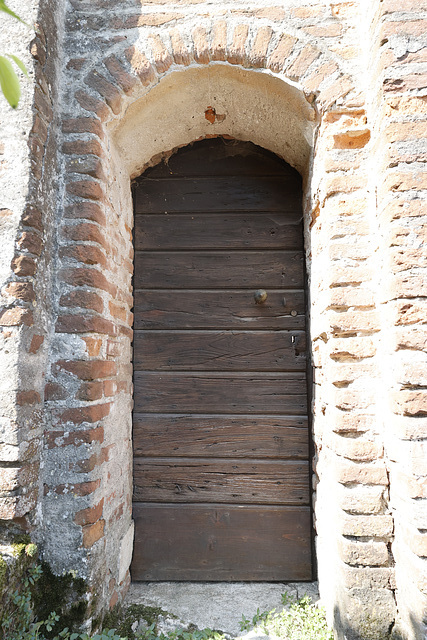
(260, 296)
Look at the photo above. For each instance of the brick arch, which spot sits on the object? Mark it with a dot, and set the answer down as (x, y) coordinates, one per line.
(89, 390)
(317, 72)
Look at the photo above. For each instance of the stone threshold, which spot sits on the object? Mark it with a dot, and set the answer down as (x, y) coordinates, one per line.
(217, 605)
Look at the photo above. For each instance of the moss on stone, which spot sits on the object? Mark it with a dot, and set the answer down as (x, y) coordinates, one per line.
(3, 573)
(122, 619)
(66, 595)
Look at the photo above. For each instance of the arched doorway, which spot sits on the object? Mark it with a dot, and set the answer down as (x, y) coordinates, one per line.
(221, 456)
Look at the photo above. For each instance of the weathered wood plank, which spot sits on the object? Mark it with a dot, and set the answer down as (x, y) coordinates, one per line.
(222, 231)
(219, 351)
(230, 193)
(220, 436)
(216, 269)
(219, 157)
(215, 543)
(272, 393)
(234, 481)
(230, 309)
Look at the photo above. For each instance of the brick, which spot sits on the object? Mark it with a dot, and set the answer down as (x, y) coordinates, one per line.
(338, 89)
(87, 254)
(37, 50)
(409, 312)
(90, 189)
(20, 290)
(92, 533)
(362, 500)
(33, 218)
(93, 345)
(413, 339)
(358, 449)
(279, 55)
(403, 27)
(343, 422)
(106, 90)
(15, 317)
(408, 427)
(237, 50)
(55, 391)
(86, 211)
(83, 299)
(315, 79)
(23, 266)
(360, 473)
(110, 388)
(416, 541)
(85, 488)
(83, 125)
(89, 515)
(408, 486)
(113, 348)
(219, 41)
(95, 460)
(31, 242)
(332, 30)
(201, 45)
(54, 439)
(96, 106)
(140, 65)
(83, 147)
(85, 232)
(408, 285)
(340, 275)
(392, 6)
(117, 312)
(83, 324)
(350, 321)
(36, 343)
(398, 131)
(344, 184)
(307, 12)
(258, 53)
(27, 397)
(407, 83)
(90, 391)
(364, 553)
(88, 369)
(406, 180)
(367, 526)
(302, 62)
(180, 52)
(86, 277)
(352, 349)
(79, 415)
(124, 79)
(356, 139)
(369, 577)
(161, 56)
(88, 165)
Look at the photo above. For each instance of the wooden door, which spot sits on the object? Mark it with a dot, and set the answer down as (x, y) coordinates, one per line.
(221, 455)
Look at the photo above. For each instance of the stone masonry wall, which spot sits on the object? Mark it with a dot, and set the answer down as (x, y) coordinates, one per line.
(27, 201)
(350, 77)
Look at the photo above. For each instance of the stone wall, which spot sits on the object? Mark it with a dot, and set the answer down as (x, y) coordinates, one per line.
(337, 89)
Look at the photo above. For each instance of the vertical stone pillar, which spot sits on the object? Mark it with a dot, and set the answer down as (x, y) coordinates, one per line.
(400, 104)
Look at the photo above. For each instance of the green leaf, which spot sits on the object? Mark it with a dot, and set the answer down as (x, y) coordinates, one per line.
(9, 82)
(6, 9)
(23, 68)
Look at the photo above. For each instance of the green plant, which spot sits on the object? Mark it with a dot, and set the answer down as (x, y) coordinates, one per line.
(9, 81)
(302, 621)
